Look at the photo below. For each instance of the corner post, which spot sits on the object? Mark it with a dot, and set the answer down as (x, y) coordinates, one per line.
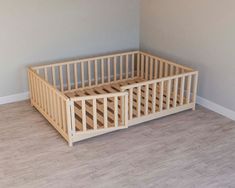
(70, 121)
(195, 85)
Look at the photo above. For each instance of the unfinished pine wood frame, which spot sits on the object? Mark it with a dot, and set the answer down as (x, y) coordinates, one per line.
(93, 96)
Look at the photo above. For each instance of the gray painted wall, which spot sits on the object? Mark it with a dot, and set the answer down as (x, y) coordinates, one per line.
(198, 33)
(39, 31)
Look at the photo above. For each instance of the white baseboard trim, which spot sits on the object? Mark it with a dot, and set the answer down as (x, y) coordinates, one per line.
(216, 108)
(14, 98)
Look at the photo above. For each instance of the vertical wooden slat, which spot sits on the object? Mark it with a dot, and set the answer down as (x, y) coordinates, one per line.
(139, 101)
(156, 69)
(53, 76)
(96, 72)
(45, 74)
(75, 75)
(32, 85)
(168, 97)
(161, 96)
(105, 113)
(146, 67)
(36, 89)
(82, 74)
(44, 97)
(115, 68)
(121, 69)
(154, 98)
(55, 107)
(131, 103)
(175, 92)
(160, 69)
(63, 107)
(84, 128)
(126, 111)
(189, 81)
(61, 78)
(127, 66)
(138, 64)
(102, 70)
(116, 111)
(48, 101)
(89, 72)
(142, 66)
(59, 111)
(182, 90)
(40, 93)
(146, 99)
(195, 82)
(68, 127)
(73, 129)
(151, 69)
(94, 114)
(109, 75)
(123, 109)
(51, 104)
(68, 77)
(133, 65)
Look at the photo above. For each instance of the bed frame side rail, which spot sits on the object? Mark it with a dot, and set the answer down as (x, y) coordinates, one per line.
(51, 103)
(161, 97)
(153, 67)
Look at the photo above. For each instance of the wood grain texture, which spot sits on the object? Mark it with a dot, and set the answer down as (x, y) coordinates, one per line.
(46, 95)
(189, 149)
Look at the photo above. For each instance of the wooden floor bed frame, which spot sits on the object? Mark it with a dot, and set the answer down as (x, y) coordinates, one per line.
(89, 97)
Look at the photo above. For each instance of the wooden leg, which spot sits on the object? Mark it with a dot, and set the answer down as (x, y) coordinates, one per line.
(70, 144)
(194, 108)
(31, 102)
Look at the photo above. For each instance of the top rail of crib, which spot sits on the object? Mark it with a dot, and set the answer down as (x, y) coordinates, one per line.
(110, 56)
(84, 60)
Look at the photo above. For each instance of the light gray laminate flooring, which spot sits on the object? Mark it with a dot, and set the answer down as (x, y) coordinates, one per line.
(189, 149)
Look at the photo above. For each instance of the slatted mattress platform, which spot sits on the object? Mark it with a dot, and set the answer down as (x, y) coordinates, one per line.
(114, 88)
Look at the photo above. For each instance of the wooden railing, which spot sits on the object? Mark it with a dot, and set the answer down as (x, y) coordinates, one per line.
(161, 94)
(90, 72)
(51, 103)
(152, 67)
